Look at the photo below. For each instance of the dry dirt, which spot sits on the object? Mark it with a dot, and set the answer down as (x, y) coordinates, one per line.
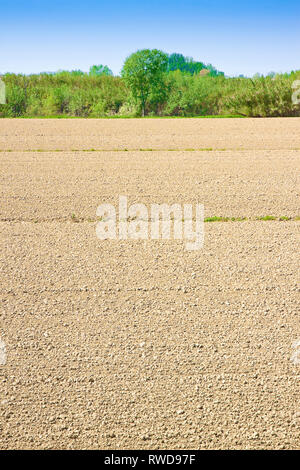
(72, 134)
(142, 344)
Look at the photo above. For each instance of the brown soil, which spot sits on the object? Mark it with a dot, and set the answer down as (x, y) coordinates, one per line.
(142, 344)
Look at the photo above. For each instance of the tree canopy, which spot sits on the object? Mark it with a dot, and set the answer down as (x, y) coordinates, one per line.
(189, 65)
(100, 70)
(143, 72)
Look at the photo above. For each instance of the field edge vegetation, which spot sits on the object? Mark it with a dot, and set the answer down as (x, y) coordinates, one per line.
(152, 84)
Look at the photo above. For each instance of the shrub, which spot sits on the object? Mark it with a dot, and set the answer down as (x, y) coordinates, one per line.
(178, 94)
(15, 101)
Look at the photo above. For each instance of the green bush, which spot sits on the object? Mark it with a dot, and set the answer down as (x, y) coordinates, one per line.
(15, 101)
(180, 94)
(263, 97)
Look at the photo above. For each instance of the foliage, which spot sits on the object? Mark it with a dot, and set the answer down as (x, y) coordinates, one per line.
(144, 74)
(263, 96)
(100, 70)
(173, 93)
(16, 101)
(188, 65)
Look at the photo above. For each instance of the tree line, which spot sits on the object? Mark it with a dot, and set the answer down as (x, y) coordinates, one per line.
(151, 83)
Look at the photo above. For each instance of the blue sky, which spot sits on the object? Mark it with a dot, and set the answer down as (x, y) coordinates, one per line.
(237, 37)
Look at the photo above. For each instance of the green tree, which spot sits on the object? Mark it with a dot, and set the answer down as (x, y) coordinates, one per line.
(144, 74)
(176, 62)
(189, 65)
(100, 70)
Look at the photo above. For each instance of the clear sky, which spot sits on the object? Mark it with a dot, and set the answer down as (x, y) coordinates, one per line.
(237, 37)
